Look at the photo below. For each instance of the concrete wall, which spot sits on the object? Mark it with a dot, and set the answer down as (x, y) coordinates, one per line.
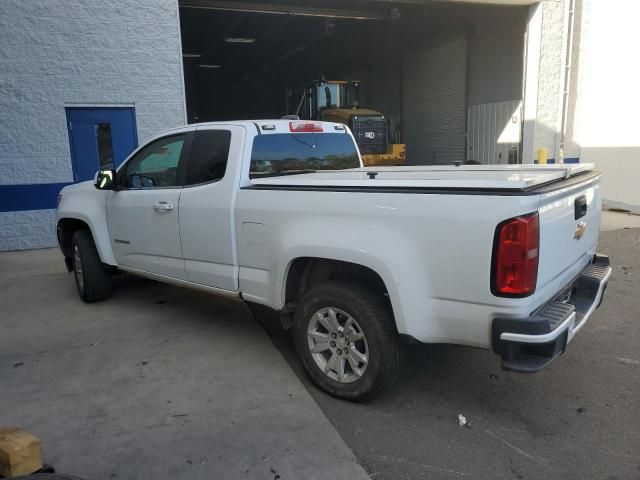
(496, 42)
(549, 81)
(495, 51)
(496, 45)
(57, 53)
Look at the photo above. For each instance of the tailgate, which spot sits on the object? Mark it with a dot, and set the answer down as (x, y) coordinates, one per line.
(569, 228)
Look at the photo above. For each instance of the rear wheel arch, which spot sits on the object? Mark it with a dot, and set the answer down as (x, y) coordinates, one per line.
(305, 273)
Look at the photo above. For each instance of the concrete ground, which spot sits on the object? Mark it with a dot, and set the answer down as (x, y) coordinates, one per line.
(618, 220)
(156, 383)
(580, 418)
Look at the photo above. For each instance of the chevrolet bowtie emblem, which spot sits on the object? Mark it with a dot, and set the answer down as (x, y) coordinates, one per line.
(580, 229)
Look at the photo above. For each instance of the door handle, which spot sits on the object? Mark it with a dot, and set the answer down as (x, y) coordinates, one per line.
(580, 207)
(163, 206)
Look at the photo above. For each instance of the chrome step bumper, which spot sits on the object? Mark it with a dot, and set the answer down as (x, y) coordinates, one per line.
(530, 344)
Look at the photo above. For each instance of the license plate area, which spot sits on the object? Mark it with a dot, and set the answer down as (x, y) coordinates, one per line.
(567, 294)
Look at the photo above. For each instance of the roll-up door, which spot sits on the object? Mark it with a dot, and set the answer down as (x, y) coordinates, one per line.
(434, 102)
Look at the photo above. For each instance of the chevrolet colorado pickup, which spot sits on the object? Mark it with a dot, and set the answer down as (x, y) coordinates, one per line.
(282, 213)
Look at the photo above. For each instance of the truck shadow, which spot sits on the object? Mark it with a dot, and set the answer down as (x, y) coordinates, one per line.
(456, 376)
(423, 368)
(436, 383)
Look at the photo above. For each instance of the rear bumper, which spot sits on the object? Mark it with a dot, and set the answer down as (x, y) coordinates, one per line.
(530, 344)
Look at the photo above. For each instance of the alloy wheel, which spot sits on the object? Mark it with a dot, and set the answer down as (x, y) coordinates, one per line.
(338, 345)
(77, 267)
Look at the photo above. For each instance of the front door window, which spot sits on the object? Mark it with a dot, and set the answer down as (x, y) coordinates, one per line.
(156, 165)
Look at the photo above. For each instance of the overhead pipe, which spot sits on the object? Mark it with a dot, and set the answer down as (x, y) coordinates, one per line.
(275, 9)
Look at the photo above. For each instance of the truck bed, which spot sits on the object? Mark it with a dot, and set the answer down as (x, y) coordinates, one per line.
(479, 178)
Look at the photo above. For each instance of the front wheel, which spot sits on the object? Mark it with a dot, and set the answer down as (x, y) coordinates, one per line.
(93, 281)
(346, 339)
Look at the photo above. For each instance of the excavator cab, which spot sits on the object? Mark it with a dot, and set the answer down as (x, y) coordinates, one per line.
(339, 101)
(325, 95)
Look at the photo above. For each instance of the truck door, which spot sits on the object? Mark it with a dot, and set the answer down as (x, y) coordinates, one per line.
(142, 214)
(207, 206)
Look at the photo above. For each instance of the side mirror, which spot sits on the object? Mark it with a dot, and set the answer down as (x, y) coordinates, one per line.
(106, 179)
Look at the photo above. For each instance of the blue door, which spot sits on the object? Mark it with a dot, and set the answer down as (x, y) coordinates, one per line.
(100, 138)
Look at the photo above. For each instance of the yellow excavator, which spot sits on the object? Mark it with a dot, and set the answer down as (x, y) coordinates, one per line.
(339, 101)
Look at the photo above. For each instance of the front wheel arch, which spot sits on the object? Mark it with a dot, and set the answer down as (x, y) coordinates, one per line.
(69, 222)
(65, 229)
(93, 280)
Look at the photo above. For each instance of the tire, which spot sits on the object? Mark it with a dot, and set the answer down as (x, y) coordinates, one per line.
(348, 376)
(92, 279)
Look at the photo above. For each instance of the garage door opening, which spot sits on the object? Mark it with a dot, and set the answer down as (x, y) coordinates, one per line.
(446, 77)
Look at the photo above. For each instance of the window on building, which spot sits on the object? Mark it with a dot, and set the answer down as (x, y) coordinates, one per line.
(156, 165)
(208, 157)
(105, 145)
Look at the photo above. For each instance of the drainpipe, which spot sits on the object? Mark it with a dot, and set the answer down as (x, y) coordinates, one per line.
(565, 79)
(531, 77)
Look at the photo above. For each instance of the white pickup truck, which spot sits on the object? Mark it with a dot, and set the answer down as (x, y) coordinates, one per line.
(282, 213)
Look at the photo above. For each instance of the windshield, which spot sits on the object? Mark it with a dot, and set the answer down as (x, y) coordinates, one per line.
(289, 153)
(328, 95)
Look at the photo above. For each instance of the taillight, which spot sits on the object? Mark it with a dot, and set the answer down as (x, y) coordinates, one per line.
(305, 127)
(515, 256)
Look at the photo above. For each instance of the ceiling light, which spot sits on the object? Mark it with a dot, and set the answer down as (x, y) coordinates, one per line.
(239, 40)
(206, 65)
(234, 6)
(191, 55)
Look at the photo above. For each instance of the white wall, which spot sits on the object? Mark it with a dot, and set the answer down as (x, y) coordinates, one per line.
(56, 53)
(603, 100)
(605, 123)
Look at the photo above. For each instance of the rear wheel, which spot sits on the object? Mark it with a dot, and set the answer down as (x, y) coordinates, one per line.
(346, 339)
(92, 279)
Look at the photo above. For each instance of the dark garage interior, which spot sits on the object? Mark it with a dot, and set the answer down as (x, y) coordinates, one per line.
(249, 80)
(421, 64)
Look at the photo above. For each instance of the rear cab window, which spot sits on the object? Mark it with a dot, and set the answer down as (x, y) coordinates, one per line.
(277, 154)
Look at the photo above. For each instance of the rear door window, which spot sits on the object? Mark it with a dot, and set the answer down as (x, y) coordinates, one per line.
(208, 158)
(290, 153)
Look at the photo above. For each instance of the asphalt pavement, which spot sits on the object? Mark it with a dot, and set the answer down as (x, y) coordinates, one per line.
(578, 419)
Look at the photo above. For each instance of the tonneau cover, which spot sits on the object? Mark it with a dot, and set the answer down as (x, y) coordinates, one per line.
(473, 177)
